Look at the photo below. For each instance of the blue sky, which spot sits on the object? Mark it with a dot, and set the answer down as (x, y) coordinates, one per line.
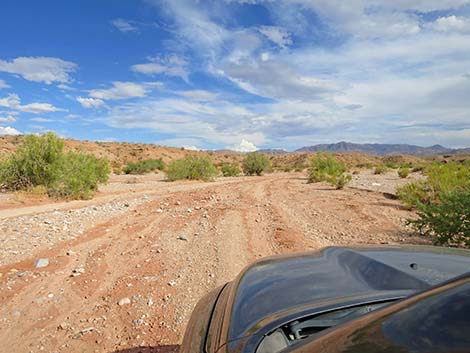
(240, 74)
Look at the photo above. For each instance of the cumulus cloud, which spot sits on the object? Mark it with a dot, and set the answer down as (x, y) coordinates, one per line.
(123, 25)
(40, 69)
(90, 102)
(8, 130)
(452, 23)
(244, 146)
(12, 101)
(120, 90)
(172, 65)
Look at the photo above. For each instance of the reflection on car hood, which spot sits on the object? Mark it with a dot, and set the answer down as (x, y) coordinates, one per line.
(281, 283)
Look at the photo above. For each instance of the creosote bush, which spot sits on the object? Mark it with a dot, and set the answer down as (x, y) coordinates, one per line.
(325, 167)
(144, 166)
(255, 163)
(230, 170)
(191, 168)
(403, 172)
(442, 202)
(380, 169)
(41, 161)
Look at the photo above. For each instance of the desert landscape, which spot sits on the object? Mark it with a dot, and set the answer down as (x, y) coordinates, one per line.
(121, 272)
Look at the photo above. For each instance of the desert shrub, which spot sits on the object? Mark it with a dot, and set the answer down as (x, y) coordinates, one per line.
(442, 203)
(230, 170)
(255, 163)
(448, 221)
(441, 179)
(34, 163)
(403, 172)
(325, 167)
(191, 168)
(380, 169)
(79, 176)
(41, 161)
(144, 166)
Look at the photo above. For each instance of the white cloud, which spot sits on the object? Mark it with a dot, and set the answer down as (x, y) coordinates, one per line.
(90, 102)
(244, 146)
(120, 90)
(172, 65)
(41, 120)
(277, 35)
(40, 69)
(7, 117)
(123, 25)
(12, 101)
(197, 95)
(7, 130)
(276, 79)
(65, 87)
(3, 84)
(452, 23)
(212, 122)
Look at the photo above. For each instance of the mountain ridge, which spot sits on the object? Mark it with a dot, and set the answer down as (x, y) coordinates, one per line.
(380, 149)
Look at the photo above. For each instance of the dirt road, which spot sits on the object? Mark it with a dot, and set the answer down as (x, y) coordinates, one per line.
(126, 269)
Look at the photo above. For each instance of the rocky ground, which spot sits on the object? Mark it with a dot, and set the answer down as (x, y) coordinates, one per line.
(122, 272)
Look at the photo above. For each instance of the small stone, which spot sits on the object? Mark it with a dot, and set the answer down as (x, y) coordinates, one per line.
(40, 263)
(182, 237)
(159, 210)
(189, 210)
(178, 203)
(20, 274)
(124, 301)
(172, 283)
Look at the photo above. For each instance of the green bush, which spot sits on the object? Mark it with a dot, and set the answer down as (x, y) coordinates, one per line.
(79, 176)
(380, 169)
(230, 170)
(41, 161)
(442, 203)
(34, 163)
(325, 167)
(145, 166)
(255, 163)
(403, 172)
(448, 221)
(191, 168)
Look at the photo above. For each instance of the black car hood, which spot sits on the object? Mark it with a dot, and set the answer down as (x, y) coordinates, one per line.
(280, 285)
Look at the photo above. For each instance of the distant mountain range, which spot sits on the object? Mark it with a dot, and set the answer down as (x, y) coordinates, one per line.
(376, 148)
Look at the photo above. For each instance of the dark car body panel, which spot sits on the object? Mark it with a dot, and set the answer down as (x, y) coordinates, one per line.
(282, 288)
(435, 321)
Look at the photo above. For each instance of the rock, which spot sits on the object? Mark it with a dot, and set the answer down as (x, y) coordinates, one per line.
(124, 301)
(20, 274)
(40, 263)
(189, 210)
(159, 210)
(178, 203)
(70, 253)
(182, 237)
(172, 283)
